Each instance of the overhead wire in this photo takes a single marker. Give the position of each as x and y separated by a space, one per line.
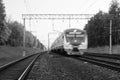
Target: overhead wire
83 4
91 5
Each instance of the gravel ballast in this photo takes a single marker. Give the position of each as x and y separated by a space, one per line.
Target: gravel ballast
55 67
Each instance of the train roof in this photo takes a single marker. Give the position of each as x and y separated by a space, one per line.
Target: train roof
72 29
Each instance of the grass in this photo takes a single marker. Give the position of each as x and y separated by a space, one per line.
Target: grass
8 54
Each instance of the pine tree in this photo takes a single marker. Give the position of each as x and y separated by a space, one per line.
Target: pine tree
114 11
4 30
99 25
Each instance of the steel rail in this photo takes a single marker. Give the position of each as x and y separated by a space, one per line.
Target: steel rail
27 70
14 69
14 62
107 64
105 55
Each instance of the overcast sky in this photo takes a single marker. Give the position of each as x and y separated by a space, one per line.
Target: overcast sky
41 28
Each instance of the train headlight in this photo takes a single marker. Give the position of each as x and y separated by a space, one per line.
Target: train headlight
68 46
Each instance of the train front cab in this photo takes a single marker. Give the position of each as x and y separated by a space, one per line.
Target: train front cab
83 47
75 49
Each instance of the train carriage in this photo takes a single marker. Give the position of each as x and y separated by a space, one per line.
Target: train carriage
72 41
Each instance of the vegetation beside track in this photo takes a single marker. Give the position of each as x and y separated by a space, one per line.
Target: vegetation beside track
8 54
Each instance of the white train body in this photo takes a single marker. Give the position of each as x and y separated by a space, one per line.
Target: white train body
73 41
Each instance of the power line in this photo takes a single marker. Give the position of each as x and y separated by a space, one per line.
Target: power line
95 1
83 4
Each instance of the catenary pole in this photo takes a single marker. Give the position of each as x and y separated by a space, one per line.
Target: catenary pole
48 42
110 50
24 52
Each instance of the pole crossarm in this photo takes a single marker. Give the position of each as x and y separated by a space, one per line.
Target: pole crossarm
57 16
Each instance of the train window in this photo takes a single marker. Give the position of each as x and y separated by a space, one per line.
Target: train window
78 38
69 35
75 32
80 35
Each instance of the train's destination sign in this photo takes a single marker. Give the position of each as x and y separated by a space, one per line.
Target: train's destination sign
72 35
75 32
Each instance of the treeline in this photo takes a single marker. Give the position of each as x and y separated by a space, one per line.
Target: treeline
98 27
13 36
11 32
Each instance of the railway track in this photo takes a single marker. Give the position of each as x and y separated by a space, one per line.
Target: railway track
105 55
19 69
107 61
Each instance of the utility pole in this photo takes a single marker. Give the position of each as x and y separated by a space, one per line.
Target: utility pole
24 52
69 22
48 42
53 24
110 49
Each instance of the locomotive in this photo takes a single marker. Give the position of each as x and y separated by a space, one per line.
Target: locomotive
71 41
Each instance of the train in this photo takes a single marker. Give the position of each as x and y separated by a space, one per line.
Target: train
71 41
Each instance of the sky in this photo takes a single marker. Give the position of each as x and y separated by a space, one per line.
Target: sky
41 28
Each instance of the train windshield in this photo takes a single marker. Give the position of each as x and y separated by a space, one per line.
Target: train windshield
75 37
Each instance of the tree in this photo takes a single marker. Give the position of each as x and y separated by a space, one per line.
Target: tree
114 11
96 30
114 8
4 30
29 39
99 25
16 36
